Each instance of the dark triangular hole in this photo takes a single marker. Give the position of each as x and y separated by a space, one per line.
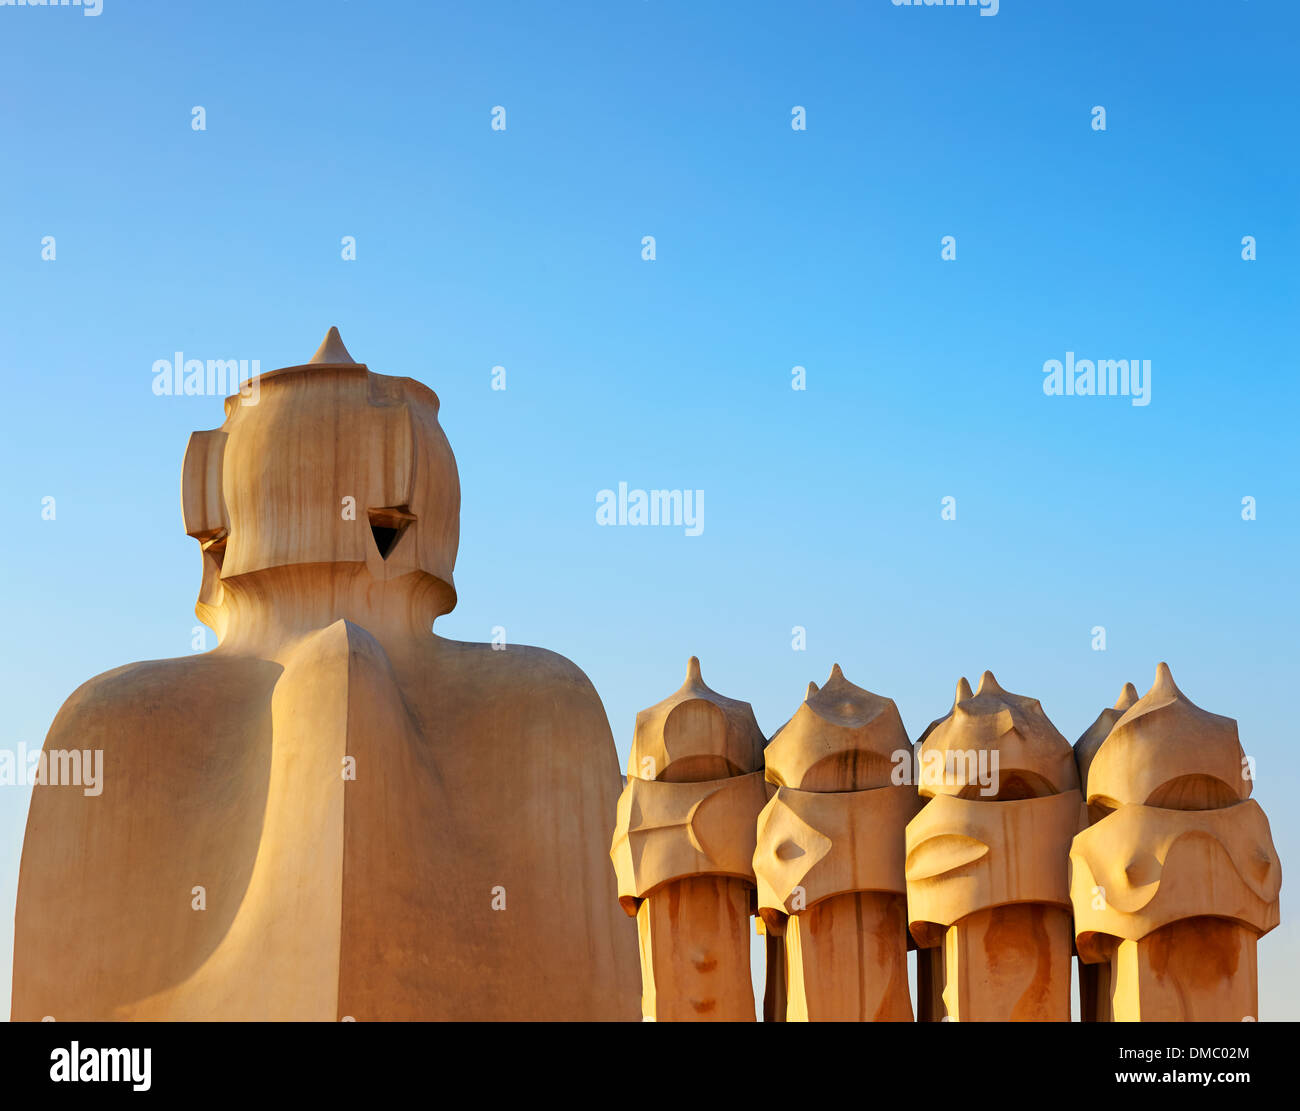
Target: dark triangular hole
385 538
387 526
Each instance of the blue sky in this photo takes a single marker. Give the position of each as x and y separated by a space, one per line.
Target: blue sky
820 248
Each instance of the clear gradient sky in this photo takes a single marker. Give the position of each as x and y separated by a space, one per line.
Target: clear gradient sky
522 248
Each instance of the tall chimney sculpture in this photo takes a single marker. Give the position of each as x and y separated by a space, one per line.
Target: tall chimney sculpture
829 858
986 857
774 981
930 963
683 851
335 813
1094 979
1175 885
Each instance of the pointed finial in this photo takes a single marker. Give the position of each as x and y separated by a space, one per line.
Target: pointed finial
1165 679
988 683
693 670
812 689
1127 697
836 673
963 690
331 350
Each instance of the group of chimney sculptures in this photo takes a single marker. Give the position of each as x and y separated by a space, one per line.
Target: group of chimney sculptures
339 814
1138 850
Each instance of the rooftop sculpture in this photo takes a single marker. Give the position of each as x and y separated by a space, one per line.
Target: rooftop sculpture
335 813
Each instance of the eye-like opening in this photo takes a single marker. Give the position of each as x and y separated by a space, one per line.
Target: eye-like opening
387 525
213 547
